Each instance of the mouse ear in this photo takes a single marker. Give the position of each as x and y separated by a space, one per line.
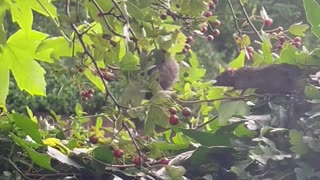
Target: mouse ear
231 71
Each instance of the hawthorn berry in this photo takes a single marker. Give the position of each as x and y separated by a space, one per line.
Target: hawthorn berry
136 161
211 5
164 161
189 39
216 32
210 38
118 153
207 14
216 23
187 46
163 16
186 112
173 119
268 22
93 139
297 39
172 110
204 29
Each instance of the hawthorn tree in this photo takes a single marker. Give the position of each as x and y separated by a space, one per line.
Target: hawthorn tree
162 120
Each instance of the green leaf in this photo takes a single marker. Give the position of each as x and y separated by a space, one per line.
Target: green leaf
43 160
21 13
4 79
208 139
267 54
95 79
44 7
242 131
134 11
203 155
103 154
175 171
296 139
28 74
312 9
288 55
312 92
239 61
228 109
130 62
28 126
298 29
156 115
165 146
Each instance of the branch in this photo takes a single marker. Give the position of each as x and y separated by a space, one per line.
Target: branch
235 19
205 123
87 52
248 19
218 99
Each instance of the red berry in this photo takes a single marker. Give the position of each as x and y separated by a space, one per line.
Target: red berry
164 161
282 39
169 12
93 139
210 38
118 153
208 14
279 46
297 39
211 5
187 46
163 16
186 111
91 91
216 23
297 44
268 22
173 119
136 161
215 32
189 39
204 29
173 110
185 50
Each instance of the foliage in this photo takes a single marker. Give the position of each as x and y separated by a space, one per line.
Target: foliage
117 48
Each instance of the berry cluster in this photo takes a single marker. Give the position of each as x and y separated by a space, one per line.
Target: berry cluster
173 118
209 35
86 95
283 39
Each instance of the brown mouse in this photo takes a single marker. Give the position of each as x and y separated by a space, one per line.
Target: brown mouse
275 78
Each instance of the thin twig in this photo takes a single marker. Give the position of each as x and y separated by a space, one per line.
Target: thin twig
248 20
235 19
15 167
86 51
133 139
218 99
205 123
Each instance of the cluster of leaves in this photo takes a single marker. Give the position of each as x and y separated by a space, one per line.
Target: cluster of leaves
123 41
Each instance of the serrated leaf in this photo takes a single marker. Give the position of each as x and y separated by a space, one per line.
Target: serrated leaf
298 29
130 62
28 74
312 92
228 109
